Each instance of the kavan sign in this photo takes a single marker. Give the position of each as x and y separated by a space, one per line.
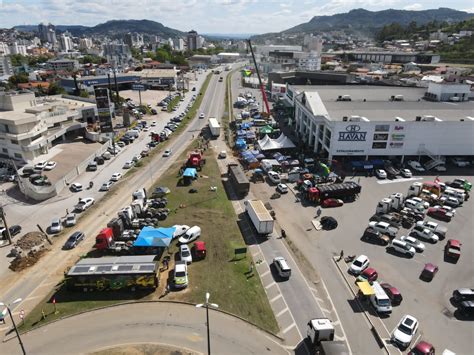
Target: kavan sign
352 134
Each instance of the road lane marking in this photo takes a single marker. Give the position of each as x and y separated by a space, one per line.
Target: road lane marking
383 182
277 297
288 328
264 273
281 312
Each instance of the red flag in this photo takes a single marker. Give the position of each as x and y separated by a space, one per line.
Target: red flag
437 180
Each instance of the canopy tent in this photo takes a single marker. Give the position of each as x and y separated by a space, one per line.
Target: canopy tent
365 288
266 130
282 142
154 237
240 144
190 172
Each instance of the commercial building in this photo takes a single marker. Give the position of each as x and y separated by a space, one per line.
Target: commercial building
200 61
63 65
6 69
379 121
228 57
29 126
391 57
158 78
117 54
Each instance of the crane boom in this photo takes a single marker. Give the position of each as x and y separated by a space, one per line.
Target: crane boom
262 89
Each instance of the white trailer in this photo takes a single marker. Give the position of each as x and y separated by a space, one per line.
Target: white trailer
260 217
214 127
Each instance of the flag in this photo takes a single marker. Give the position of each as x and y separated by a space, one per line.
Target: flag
437 180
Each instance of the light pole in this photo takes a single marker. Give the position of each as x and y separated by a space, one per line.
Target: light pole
206 305
7 307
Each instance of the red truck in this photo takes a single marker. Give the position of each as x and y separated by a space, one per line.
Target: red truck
453 249
105 241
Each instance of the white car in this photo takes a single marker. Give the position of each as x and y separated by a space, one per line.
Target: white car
167 153
274 177
410 203
55 226
50 165
120 144
282 188
406 173
421 202
381 174
415 243
106 186
180 274
84 203
201 115
359 264
116 177
424 233
440 168
222 154
415 165
181 229
76 187
128 164
41 165
153 124
70 220
185 254
405 331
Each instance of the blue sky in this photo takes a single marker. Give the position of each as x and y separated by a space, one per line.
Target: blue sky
206 16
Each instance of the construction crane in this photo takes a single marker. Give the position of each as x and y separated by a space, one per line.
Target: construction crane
262 89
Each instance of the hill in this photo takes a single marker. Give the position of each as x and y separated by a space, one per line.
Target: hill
364 21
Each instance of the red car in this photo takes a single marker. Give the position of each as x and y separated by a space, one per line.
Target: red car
453 249
392 293
369 274
440 213
428 272
332 202
422 348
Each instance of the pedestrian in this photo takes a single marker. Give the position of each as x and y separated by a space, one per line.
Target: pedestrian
251 268
67 211
165 264
283 233
318 212
341 255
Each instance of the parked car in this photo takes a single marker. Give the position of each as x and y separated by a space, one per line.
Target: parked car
282 188
466 308
434 227
424 233
393 293
14 230
128 164
55 226
359 265
70 220
384 227
369 274
440 213
332 202
449 201
402 247
199 250
429 272
50 165
381 174
106 186
116 177
460 162
415 166
40 165
167 153
185 253
406 173
191 234
375 236
415 243
74 240
405 331
180 274
452 250
92 166
75 187
422 348
201 115
84 204
282 267
274 177
463 294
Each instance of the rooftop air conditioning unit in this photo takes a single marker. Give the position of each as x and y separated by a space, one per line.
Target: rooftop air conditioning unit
346 97
428 118
355 119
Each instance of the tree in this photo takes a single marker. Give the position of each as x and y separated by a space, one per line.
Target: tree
84 93
18 78
162 55
136 53
55 89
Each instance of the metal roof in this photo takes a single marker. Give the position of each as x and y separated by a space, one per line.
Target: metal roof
114 265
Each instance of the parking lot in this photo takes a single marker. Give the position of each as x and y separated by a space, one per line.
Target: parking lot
429 302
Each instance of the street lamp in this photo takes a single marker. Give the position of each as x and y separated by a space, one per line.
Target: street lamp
7 308
206 305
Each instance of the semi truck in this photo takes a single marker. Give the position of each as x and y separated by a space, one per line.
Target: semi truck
344 191
214 127
260 217
238 179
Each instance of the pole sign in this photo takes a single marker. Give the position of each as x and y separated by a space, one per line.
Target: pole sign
138 87
239 251
103 109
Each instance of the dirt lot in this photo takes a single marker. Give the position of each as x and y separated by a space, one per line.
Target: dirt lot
151 97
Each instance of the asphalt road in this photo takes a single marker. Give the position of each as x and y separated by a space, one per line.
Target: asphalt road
181 325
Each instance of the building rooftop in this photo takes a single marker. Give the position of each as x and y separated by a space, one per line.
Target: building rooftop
322 100
156 73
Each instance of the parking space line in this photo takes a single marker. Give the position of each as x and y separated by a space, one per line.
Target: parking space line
270 285
288 328
264 273
277 297
326 311
281 312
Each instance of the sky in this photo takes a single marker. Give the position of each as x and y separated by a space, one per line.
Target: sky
204 16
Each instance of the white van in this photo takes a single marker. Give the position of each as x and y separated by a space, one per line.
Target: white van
191 234
380 300
133 133
450 192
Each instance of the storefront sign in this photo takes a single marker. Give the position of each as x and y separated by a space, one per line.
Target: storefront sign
350 151
352 134
380 137
382 128
399 128
103 109
398 137
396 144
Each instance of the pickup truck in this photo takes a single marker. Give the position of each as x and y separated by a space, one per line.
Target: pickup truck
375 236
434 227
388 218
424 233
453 249
384 228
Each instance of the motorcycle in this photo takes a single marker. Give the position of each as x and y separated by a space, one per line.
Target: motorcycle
349 258
91 184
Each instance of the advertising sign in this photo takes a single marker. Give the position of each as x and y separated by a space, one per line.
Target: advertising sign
103 109
380 136
396 145
352 134
382 128
398 137
138 87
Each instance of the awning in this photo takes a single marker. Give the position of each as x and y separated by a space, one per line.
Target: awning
190 172
365 288
154 237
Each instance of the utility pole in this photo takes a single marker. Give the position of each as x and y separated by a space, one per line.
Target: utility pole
7 230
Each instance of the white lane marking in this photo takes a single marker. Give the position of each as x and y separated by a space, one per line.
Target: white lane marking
270 285
386 181
277 297
264 273
281 312
325 311
289 327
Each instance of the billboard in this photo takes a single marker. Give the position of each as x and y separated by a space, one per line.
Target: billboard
103 109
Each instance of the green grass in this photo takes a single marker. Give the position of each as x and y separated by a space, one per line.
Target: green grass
227 116
173 103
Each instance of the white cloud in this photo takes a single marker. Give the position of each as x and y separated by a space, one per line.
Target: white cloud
413 7
471 10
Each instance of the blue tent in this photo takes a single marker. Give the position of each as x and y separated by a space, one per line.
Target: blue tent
190 172
154 237
240 144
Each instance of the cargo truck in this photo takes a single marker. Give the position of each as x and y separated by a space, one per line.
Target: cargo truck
344 191
320 333
214 127
238 179
260 217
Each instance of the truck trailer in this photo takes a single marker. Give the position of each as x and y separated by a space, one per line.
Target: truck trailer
238 179
214 127
344 191
260 217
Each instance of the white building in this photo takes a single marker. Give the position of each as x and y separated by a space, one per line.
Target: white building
65 43
178 44
377 121
85 43
63 64
200 42
264 50
29 126
313 43
16 48
4 49
308 61
6 69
